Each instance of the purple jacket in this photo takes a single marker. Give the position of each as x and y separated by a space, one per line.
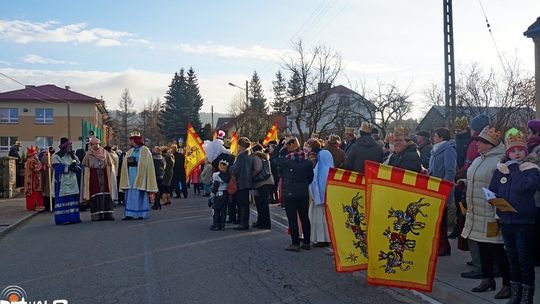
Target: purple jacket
517 185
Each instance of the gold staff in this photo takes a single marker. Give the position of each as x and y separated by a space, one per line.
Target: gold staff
51 189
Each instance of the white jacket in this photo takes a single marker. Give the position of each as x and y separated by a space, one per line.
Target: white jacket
479 211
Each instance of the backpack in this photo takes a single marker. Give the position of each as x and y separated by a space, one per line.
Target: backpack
265 172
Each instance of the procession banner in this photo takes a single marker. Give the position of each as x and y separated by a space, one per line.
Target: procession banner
194 151
346 219
271 135
405 211
234 144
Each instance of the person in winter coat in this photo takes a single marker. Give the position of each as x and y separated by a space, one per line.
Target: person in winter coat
263 183
350 139
322 160
296 172
159 169
424 147
533 147
179 173
168 174
206 178
365 148
442 164
195 180
405 154
480 221
463 138
220 197
338 155
242 172
478 123
516 180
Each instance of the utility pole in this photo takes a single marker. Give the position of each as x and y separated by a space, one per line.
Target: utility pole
449 67
212 117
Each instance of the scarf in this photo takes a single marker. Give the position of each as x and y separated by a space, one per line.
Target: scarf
99 154
437 146
296 155
533 142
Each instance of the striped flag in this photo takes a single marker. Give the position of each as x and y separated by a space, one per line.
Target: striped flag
194 150
234 144
271 135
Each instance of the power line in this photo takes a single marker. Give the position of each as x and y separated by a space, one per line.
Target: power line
33 89
492 36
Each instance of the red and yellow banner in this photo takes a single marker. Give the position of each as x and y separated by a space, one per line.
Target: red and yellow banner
346 219
271 135
404 211
234 144
194 150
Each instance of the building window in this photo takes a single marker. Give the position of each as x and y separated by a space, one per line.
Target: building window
44 142
9 115
6 142
44 116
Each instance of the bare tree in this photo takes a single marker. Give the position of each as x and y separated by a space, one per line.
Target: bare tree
248 121
124 120
148 123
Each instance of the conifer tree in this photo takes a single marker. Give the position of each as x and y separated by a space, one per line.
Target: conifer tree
256 95
175 110
280 104
194 99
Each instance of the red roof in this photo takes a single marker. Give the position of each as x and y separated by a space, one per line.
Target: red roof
48 92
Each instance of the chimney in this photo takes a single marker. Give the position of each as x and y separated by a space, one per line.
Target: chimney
68 88
324 86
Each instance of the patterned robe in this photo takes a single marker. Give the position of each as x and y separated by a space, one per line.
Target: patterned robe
33 184
66 205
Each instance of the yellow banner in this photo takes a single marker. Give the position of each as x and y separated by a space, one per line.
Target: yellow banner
271 135
194 151
234 144
346 219
404 214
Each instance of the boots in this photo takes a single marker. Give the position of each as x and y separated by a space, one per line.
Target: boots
515 293
527 295
485 285
504 293
166 198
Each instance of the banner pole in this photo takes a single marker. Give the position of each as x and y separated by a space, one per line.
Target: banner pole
51 189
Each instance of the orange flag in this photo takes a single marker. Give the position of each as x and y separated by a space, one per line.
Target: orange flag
214 135
271 135
234 144
194 150
404 212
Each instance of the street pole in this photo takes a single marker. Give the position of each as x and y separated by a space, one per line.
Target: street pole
449 74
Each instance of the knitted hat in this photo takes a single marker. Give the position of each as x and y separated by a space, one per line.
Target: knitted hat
220 134
480 122
534 125
513 139
491 135
244 142
402 133
424 134
461 123
366 127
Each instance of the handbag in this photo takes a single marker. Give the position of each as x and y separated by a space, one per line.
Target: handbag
232 187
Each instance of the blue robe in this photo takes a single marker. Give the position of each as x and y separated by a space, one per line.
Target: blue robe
137 203
66 203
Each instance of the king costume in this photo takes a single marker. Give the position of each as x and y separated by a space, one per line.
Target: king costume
33 185
66 165
138 179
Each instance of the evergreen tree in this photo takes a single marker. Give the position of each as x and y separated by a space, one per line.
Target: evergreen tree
256 95
280 104
194 99
294 86
176 109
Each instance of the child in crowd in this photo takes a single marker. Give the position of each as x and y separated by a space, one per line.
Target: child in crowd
195 180
219 197
516 180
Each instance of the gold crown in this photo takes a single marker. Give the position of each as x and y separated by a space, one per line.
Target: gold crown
389 138
401 133
366 127
513 140
491 135
461 123
135 133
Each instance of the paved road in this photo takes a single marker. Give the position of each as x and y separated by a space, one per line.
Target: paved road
174 258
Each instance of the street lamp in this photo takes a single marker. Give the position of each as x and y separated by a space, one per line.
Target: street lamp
246 90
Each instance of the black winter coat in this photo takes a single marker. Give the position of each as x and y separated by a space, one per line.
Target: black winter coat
179 166
296 176
365 148
407 159
425 153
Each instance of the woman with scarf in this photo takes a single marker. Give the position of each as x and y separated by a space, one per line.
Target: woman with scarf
66 165
33 183
138 179
323 161
98 182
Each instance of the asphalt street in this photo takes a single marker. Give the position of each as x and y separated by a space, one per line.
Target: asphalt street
173 257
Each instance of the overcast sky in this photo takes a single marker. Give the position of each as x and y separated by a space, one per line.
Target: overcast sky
101 47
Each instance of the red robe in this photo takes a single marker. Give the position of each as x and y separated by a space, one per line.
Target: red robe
33 186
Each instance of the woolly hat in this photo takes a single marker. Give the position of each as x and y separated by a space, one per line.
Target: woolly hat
424 134
534 125
513 138
491 135
220 134
479 122
366 127
461 123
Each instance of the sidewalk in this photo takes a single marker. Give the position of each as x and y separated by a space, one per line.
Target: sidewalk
13 213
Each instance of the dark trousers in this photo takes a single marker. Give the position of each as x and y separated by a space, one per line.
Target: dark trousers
298 206
444 244
261 202
176 188
519 246
242 201
537 238
232 211
490 252
197 188
219 215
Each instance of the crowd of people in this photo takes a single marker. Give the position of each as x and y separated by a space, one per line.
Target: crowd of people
477 158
